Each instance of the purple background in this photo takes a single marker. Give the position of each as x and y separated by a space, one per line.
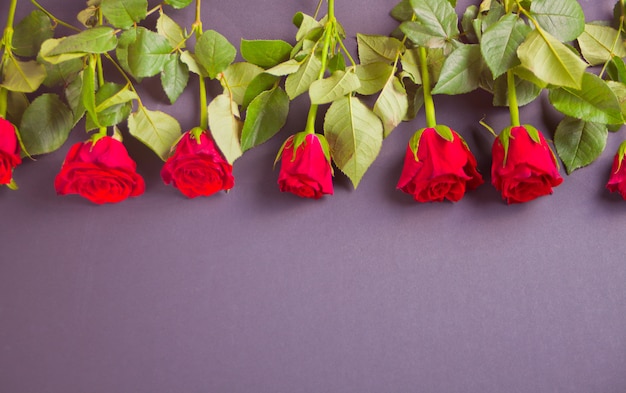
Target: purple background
364 291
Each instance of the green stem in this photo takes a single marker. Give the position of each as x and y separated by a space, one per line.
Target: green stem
512 94
329 31
11 17
204 109
7 40
54 18
429 104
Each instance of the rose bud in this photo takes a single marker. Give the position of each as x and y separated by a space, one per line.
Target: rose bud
197 167
305 168
438 167
523 167
9 152
100 171
617 179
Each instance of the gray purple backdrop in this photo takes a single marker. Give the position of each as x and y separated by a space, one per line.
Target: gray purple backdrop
364 291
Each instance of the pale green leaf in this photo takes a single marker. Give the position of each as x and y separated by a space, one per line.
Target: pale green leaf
30 33
410 65
22 76
461 71
237 78
600 44
500 42
265 53
97 40
16 106
437 17
392 105
337 85
564 19
174 78
148 53
258 85
305 24
225 126
157 130
373 77
619 89
265 116
375 48
178 4
192 63
355 136
45 125
558 66
579 143
48 45
168 28
124 13
300 81
126 39
421 36
112 94
289 67
594 102
88 17
214 52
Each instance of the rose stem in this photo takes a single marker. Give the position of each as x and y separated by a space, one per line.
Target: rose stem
204 111
512 93
328 32
103 130
7 40
429 104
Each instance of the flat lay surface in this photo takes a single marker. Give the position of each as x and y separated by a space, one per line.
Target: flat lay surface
366 290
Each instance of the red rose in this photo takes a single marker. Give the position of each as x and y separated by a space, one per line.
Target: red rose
9 151
436 168
101 172
305 166
617 180
197 167
527 168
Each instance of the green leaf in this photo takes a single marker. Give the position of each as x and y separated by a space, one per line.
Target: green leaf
22 76
500 42
16 106
192 63
392 105
63 73
214 52
355 136
564 19
48 45
415 97
300 81
171 30
467 23
337 63
329 89
124 13
265 53
375 48
265 116
88 17
258 85
174 78
30 33
88 93
157 130
619 89
600 44
97 40
305 24
178 4
73 93
594 102
551 61
287 68
461 71
112 105
148 53
126 39
373 77
579 143
226 126
437 17
402 11
421 36
410 65
526 91
45 125
237 77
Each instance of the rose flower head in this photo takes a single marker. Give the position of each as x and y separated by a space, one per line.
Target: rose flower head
617 179
9 152
100 171
438 165
305 168
197 167
523 167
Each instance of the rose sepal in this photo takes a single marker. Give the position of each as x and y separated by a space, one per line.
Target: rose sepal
443 131
299 138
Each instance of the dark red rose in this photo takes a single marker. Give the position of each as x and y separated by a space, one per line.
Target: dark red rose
443 169
9 151
305 166
197 168
101 172
527 169
617 179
